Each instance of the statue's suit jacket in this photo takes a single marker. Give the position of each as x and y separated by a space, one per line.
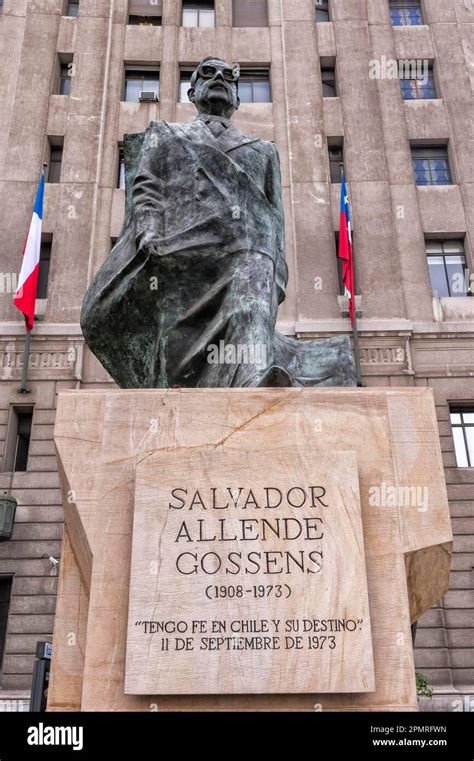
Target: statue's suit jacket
202 202
193 190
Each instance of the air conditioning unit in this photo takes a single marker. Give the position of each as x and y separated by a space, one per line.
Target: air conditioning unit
148 96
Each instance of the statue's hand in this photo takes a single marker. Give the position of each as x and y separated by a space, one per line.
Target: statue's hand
149 246
153 248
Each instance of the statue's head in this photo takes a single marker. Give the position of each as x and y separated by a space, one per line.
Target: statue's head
214 87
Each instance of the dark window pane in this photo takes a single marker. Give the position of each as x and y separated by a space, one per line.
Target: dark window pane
132 89
248 13
455 268
121 170
73 8
65 79
64 86
254 87
184 85
452 246
261 92
329 90
43 275
414 89
5 595
151 83
322 10
206 18
55 161
190 17
439 283
462 422
197 13
431 166
136 81
336 156
405 12
245 92
23 440
447 267
460 448
144 20
145 10
328 76
469 434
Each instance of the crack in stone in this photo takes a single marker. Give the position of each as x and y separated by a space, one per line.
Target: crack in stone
207 447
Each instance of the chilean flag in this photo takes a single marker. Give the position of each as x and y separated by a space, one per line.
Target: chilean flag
345 249
25 296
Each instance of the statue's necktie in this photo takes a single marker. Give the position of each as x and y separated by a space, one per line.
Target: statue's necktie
216 128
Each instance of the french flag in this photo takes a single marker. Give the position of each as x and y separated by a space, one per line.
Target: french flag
25 296
345 249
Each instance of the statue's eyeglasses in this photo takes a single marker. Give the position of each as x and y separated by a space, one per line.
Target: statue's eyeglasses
208 71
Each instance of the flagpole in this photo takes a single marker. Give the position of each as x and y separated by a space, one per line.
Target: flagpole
355 332
26 358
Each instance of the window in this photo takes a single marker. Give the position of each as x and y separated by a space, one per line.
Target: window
184 84
43 275
198 13
328 76
249 13
336 158
431 165
55 162
1 7
17 442
145 13
462 423
416 88
65 79
447 267
405 12
139 81
5 596
23 440
121 169
73 8
322 10
254 86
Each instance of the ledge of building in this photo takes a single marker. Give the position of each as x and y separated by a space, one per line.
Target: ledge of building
17 701
303 329
449 700
308 328
41 329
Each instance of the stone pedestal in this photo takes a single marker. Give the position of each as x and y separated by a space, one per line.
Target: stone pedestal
247 549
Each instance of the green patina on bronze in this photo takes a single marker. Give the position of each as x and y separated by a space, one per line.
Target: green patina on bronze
190 292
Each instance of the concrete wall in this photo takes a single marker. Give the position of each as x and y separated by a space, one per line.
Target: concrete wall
407 337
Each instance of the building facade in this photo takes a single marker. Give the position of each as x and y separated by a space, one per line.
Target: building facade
387 88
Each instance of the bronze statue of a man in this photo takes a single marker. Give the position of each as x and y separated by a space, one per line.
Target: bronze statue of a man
190 292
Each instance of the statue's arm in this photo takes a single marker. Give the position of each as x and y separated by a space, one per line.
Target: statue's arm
147 196
275 198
